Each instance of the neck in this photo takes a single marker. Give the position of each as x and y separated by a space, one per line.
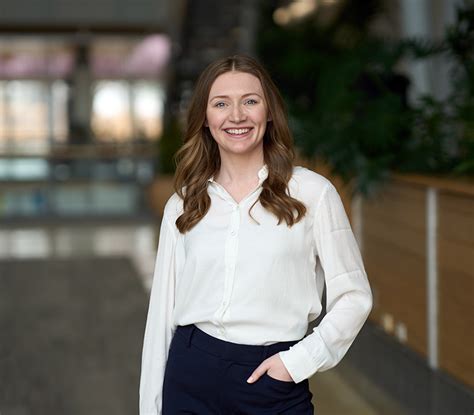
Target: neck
239 169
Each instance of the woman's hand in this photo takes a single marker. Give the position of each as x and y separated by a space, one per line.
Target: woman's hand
274 367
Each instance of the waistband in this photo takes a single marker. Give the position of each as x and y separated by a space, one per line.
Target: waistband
244 353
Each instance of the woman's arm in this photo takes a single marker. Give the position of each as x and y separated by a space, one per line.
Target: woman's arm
159 325
349 297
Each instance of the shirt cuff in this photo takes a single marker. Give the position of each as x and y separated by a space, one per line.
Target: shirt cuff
299 363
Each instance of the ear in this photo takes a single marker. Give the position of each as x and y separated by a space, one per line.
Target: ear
206 124
269 118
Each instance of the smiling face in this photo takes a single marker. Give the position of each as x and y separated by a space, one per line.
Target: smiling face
237 114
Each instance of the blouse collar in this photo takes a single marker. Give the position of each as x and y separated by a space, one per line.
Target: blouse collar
262 175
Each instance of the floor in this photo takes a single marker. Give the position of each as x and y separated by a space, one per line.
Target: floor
333 395
71 331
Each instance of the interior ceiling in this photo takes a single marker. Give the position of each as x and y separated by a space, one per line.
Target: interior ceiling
103 16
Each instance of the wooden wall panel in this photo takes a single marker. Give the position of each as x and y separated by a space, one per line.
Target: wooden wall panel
456 285
399 203
394 250
394 255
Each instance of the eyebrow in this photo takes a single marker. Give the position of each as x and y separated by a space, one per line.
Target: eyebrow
243 96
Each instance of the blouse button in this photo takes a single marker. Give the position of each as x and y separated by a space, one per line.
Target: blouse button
233 233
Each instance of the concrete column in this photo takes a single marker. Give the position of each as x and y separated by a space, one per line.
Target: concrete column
81 97
415 24
429 19
248 26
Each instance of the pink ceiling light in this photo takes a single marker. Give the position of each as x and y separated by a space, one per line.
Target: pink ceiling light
146 58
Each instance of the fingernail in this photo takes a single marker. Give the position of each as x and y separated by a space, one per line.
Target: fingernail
250 379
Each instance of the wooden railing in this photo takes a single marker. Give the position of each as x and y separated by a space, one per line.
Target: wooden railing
417 239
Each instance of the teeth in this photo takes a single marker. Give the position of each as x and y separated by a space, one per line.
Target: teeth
239 131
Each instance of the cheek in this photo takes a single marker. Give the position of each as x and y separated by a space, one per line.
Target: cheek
213 120
213 124
265 116
260 116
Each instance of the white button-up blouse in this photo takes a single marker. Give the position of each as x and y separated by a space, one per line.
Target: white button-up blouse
258 284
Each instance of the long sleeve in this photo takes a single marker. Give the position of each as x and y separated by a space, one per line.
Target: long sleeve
349 297
159 325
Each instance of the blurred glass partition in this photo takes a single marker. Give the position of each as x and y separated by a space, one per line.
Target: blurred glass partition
79 122
124 109
33 115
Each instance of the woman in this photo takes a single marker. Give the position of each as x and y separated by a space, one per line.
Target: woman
246 245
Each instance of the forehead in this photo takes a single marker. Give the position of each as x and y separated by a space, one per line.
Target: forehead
235 83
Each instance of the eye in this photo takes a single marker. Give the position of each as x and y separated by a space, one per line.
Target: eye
219 104
251 101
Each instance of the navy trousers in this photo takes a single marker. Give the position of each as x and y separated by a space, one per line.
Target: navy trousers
206 376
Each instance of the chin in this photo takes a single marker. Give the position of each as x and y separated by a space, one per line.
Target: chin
246 150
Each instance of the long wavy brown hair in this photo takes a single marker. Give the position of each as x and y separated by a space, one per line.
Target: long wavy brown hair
198 159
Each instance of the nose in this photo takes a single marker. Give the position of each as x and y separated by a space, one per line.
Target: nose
237 114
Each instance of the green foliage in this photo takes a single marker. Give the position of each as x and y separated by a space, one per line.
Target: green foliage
348 105
168 145
460 39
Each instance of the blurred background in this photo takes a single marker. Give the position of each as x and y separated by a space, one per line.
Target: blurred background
93 95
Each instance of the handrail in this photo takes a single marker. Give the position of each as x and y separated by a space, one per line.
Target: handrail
463 185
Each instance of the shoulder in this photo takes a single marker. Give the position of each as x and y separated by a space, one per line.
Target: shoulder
308 183
309 187
173 208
